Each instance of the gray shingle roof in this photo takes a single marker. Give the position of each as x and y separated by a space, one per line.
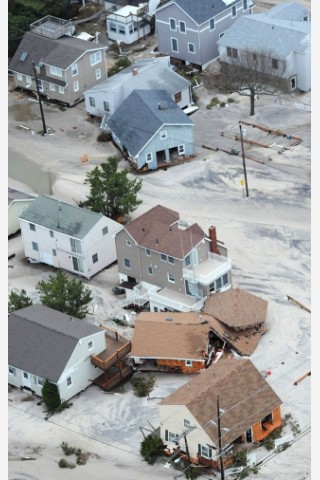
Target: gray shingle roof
61 53
18 195
41 340
288 11
202 10
260 32
139 117
60 216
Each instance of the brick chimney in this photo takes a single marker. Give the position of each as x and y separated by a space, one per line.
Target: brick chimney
213 238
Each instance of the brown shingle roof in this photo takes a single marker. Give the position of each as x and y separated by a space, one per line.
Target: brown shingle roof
158 230
236 308
244 395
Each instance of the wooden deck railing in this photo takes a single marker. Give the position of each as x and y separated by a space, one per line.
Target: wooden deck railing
113 359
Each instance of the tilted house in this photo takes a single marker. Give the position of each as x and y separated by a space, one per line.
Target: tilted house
249 411
188 30
103 99
17 201
68 237
231 322
45 344
169 264
64 66
151 130
280 36
129 24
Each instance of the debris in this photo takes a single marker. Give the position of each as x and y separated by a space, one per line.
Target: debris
298 303
302 378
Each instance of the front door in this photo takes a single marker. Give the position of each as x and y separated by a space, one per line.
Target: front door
26 380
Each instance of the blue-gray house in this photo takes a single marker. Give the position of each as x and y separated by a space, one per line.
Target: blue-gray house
151 130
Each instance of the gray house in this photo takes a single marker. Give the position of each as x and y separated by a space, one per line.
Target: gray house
63 65
282 35
45 344
103 99
188 30
169 264
151 130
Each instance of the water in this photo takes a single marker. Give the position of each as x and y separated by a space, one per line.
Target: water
30 174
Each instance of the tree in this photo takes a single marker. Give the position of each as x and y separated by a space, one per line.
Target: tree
142 386
18 300
151 448
67 296
111 191
251 74
51 397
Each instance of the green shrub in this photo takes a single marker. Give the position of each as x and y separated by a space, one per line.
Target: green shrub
151 448
64 464
142 386
51 397
213 102
231 100
240 458
222 104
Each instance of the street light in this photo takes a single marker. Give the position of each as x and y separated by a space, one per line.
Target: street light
244 161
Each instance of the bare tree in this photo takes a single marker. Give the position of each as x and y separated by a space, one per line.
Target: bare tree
252 73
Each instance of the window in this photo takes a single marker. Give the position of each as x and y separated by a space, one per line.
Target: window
275 63
74 69
54 252
174 44
148 252
170 436
92 101
186 423
149 157
55 71
61 90
106 106
52 87
163 135
171 260
69 382
163 257
187 260
12 371
112 26
245 4
35 246
188 363
95 58
182 27
90 345
205 451
178 97
98 73
232 52
128 243
150 271
126 263
181 149
191 47
77 264
225 279
75 245
218 283
75 86
172 24
212 24
51 234
234 11
94 258
105 230
32 227
121 30
40 381
171 278
221 35
19 77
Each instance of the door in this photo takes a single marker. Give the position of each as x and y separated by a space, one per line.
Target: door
26 380
47 258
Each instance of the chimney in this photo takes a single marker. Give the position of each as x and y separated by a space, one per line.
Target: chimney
213 238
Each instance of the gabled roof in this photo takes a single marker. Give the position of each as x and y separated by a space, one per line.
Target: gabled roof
251 31
201 10
244 395
158 229
170 336
18 195
150 74
61 217
288 11
142 114
237 308
41 340
61 52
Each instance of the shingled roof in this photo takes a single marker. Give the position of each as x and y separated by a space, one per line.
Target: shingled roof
203 10
158 229
237 308
244 395
41 340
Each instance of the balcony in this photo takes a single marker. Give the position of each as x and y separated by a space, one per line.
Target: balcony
209 270
52 27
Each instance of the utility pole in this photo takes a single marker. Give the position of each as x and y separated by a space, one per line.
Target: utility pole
244 161
188 454
39 99
220 439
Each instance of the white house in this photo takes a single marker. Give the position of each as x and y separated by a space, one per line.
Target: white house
45 344
17 201
129 24
68 237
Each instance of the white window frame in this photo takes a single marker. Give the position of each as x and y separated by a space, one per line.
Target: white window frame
77 264
171 278
190 47
52 87
76 86
12 370
150 271
106 106
98 73
127 263
212 24
181 149
173 24
55 71
19 77
172 436
163 257
74 69
149 157
188 363
35 246
173 39
28 79
245 5
92 101
95 58
206 452
184 28
75 245
61 90
171 260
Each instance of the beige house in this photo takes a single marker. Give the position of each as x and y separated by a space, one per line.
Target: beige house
17 201
68 237
63 65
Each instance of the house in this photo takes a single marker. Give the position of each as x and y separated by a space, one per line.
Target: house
68 237
288 49
188 31
168 264
231 322
129 24
45 344
230 401
103 99
151 130
62 65
17 201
